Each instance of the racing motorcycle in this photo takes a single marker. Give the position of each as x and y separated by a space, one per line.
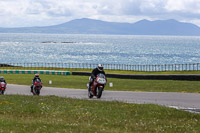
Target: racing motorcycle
97 86
2 88
37 87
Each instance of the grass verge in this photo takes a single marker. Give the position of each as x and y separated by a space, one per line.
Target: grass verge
107 71
55 114
79 82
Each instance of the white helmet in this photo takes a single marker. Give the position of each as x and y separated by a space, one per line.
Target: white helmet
1 77
100 67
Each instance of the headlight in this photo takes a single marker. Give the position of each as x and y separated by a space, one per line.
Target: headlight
101 81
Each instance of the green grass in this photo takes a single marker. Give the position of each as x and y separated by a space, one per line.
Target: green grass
107 71
79 82
158 73
50 114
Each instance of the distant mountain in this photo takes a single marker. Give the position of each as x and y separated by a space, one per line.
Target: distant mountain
90 26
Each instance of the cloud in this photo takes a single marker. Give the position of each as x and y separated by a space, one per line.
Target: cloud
49 12
189 6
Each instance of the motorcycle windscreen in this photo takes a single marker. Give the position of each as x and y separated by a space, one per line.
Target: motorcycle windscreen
2 84
101 81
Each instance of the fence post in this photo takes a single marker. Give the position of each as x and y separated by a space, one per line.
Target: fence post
193 67
175 67
161 67
189 67
165 67
186 67
179 67
182 67
146 68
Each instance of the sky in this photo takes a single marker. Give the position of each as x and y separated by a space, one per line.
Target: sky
28 13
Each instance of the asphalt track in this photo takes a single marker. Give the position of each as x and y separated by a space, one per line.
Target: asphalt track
185 101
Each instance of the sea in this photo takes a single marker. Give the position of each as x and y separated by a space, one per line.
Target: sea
105 49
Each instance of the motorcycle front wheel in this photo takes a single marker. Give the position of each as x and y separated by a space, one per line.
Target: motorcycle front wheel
99 92
89 94
37 92
1 92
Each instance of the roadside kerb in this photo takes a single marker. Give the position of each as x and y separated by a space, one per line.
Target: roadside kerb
34 72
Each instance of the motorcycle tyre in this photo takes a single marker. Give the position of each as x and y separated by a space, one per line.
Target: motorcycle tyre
37 92
2 92
89 94
99 92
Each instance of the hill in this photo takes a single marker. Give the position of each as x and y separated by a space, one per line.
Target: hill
90 26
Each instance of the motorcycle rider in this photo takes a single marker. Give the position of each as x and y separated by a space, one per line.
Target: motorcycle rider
3 80
34 79
95 72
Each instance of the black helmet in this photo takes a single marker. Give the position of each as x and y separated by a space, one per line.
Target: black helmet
100 67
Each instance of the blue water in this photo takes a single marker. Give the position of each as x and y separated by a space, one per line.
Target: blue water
106 49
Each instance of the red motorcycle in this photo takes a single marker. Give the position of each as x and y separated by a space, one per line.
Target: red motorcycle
37 87
2 88
97 86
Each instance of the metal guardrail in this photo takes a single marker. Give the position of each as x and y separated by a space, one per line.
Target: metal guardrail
189 77
147 68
